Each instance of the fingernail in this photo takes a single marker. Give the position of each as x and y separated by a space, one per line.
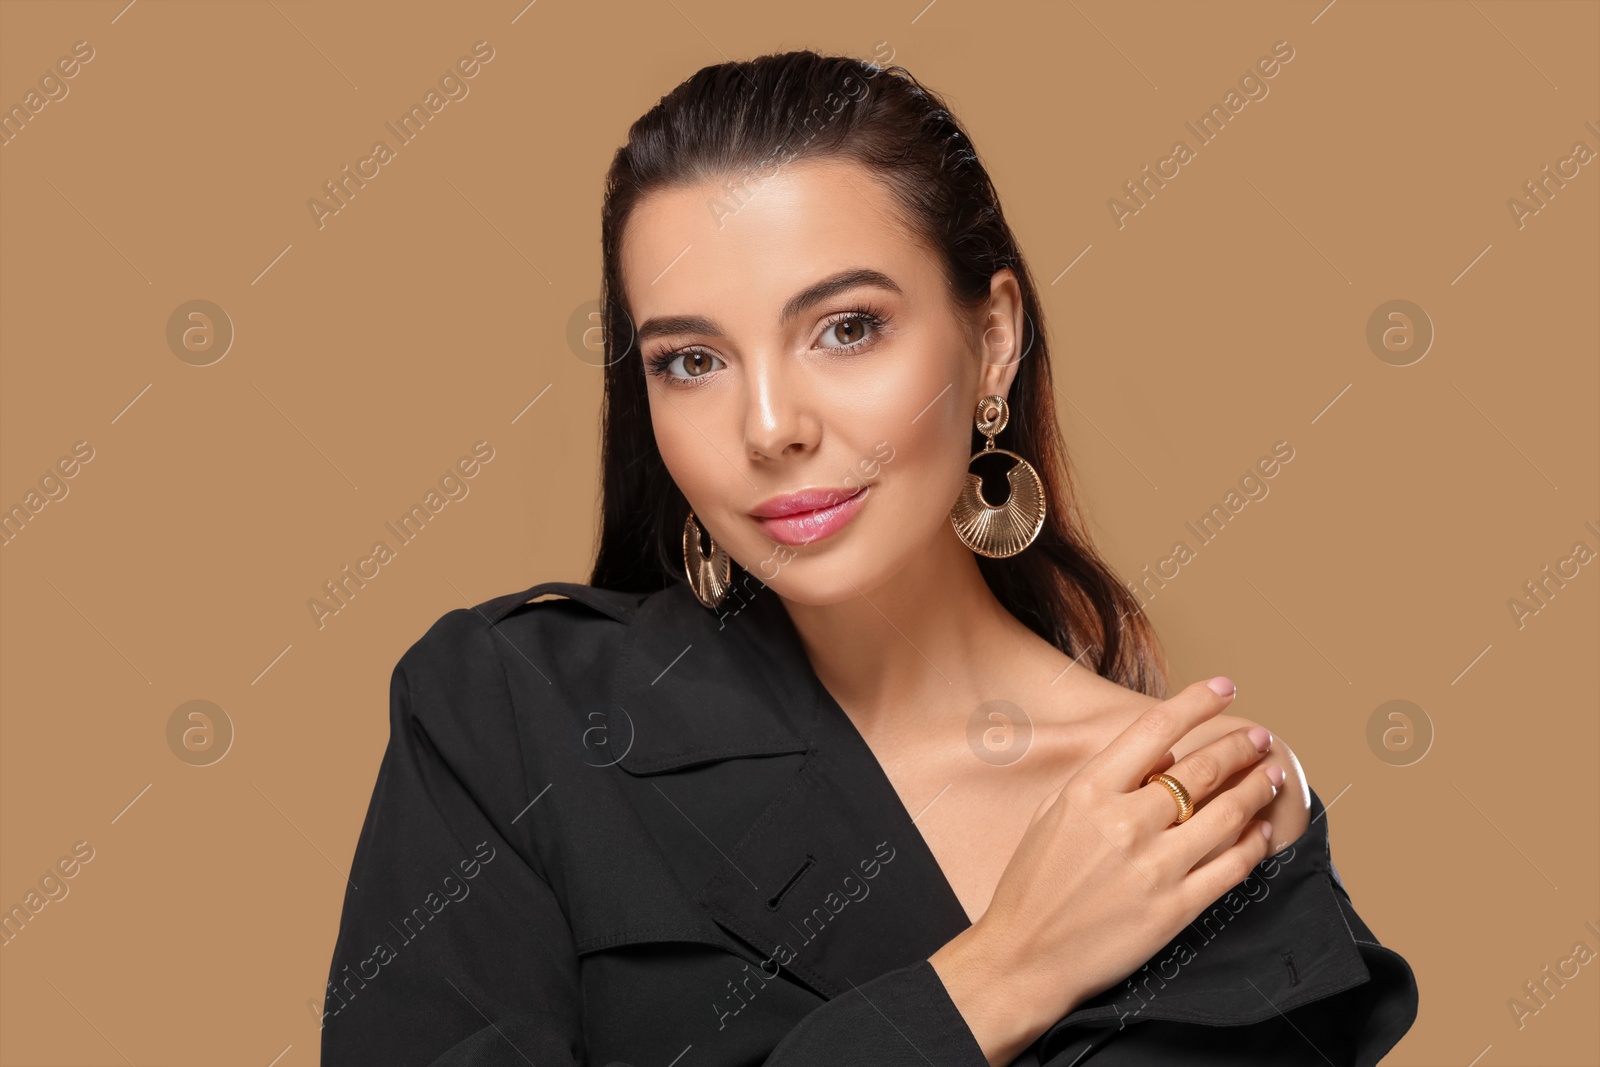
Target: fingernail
1222 685
1266 830
1276 774
1261 737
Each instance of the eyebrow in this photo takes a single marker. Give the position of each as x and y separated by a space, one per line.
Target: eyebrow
671 325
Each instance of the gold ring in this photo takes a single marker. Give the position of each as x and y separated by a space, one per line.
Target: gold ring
1179 793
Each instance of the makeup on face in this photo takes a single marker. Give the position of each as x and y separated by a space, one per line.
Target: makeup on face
809 515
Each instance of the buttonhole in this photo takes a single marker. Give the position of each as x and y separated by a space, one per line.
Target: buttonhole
772 904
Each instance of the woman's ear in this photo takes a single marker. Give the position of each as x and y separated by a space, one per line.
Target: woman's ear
1002 337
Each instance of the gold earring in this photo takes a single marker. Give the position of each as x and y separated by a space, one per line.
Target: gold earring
1001 531
709 575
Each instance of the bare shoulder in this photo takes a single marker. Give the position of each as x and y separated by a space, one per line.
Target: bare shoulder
1289 812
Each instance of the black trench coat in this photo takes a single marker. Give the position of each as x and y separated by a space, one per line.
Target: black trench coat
618 829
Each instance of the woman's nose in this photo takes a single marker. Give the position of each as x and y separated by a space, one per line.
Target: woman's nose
778 409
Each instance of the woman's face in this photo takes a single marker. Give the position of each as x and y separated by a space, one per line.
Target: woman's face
797 338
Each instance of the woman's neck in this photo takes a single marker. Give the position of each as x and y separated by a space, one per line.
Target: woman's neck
930 641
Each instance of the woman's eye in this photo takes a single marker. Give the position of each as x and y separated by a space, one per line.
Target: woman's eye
848 332
696 364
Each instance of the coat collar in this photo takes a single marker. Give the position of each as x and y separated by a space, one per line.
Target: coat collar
701 685
702 688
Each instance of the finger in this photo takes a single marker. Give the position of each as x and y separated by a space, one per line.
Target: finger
1053 798
1221 820
1162 765
1123 764
1202 772
1205 884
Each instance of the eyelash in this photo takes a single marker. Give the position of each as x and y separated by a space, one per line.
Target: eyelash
874 317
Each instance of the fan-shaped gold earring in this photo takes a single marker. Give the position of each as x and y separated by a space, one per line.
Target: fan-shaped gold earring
709 576
1001 531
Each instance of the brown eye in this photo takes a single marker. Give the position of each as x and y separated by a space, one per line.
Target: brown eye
851 331
661 366
847 332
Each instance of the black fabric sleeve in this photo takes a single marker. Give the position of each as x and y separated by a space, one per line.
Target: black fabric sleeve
902 1018
449 938
453 950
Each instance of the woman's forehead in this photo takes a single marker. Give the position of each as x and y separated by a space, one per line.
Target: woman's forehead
763 240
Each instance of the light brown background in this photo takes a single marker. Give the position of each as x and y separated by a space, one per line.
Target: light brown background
429 314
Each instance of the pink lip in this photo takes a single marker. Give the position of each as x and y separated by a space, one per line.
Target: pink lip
805 517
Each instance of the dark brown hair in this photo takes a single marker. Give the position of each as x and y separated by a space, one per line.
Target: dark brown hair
731 120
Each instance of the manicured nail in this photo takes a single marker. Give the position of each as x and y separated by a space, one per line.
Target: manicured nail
1222 685
1266 830
1261 737
1276 774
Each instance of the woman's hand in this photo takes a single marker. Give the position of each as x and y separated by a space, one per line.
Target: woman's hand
1102 878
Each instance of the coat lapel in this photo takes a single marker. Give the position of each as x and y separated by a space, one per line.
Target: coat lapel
829 878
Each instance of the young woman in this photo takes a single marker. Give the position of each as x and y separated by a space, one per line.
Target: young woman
851 750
